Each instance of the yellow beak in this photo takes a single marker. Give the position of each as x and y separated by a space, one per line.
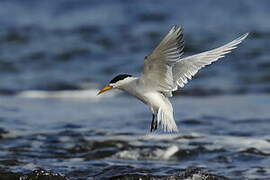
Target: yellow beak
104 89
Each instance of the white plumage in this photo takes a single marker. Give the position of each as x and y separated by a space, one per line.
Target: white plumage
164 70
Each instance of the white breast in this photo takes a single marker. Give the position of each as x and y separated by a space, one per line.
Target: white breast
151 98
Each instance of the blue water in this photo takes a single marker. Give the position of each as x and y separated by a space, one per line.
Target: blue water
54 55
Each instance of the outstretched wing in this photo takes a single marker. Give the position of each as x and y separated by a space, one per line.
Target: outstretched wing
157 72
189 66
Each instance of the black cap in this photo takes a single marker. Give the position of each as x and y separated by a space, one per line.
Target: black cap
119 77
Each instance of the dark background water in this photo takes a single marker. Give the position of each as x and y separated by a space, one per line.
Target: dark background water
54 55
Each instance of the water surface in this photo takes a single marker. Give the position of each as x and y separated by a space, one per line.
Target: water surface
54 55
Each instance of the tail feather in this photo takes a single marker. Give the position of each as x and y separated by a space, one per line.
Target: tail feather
166 121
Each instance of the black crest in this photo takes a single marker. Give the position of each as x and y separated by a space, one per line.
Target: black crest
119 77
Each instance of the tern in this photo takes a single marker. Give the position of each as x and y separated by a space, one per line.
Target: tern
164 71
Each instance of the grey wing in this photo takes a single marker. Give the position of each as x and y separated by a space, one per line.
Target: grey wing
157 72
189 66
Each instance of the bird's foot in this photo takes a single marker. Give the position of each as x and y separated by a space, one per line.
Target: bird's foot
153 124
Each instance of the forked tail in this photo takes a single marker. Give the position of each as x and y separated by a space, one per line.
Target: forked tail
166 121
163 117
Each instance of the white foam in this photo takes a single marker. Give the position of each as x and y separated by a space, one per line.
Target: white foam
131 154
154 136
197 177
76 159
241 143
76 94
169 152
30 166
148 153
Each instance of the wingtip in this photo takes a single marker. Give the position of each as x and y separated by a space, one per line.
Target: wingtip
177 27
244 36
240 39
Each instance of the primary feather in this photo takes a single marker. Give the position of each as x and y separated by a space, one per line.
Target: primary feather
189 66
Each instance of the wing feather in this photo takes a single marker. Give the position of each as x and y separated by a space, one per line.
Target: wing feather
157 72
189 66
165 118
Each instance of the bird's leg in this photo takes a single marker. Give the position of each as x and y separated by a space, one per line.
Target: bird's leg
153 123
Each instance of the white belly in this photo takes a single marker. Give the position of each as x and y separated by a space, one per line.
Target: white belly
153 99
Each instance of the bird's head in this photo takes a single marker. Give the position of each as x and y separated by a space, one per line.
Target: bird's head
116 82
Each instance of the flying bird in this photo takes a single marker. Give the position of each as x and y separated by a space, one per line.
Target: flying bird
164 71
